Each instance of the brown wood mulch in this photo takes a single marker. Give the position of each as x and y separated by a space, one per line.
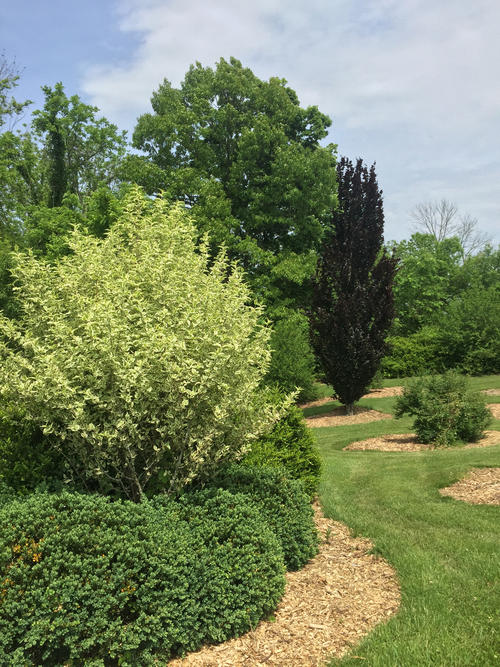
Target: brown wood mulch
481 486
494 408
385 392
491 392
328 607
407 442
338 417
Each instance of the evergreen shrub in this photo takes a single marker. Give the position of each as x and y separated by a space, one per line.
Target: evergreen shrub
446 410
84 580
289 445
283 505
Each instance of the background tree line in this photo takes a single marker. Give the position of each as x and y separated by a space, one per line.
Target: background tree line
248 164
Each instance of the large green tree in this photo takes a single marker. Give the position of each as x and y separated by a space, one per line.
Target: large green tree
81 151
245 157
352 308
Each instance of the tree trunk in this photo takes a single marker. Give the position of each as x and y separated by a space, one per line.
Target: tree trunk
349 408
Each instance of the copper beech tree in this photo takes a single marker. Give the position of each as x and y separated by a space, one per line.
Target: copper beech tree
352 305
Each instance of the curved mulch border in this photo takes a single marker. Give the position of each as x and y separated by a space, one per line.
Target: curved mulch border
385 392
328 606
491 392
407 442
338 417
481 486
494 408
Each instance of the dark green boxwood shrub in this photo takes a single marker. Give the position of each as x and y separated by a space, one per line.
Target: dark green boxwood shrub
283 505
289 445
446 410
84 580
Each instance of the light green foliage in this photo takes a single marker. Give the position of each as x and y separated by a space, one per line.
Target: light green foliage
93 582
226 136
425 280
292 362
462 318
289 445
142 362
446 411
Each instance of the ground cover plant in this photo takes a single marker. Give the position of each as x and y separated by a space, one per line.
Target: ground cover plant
446 553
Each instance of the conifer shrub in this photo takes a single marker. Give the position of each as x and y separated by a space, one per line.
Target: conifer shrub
85 580
446 410
283 505
289 445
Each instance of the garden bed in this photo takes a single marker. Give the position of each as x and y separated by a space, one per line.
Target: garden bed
328 607
338 417
407 442
480 486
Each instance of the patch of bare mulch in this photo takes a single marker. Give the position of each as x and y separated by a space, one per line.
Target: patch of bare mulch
494 408
407 442
338 417
328 607
480 486
385 392
491 392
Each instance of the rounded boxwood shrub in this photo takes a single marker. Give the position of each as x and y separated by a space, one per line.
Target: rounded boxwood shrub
282 503
289 445
446 410
94 582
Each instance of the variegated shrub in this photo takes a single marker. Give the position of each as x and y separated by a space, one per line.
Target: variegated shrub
141 356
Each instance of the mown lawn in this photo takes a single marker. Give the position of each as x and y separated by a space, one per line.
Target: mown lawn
446 552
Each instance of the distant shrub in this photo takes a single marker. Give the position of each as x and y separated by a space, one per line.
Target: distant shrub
94 582
415 354
446 410
289 445
283 505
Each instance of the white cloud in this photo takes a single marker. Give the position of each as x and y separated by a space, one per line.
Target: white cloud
413 84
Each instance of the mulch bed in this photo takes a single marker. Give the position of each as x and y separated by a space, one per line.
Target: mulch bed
491 392
385 392
494 409
338 417
480 486
407 442
328 607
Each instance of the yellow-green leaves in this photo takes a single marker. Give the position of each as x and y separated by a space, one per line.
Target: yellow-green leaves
137 353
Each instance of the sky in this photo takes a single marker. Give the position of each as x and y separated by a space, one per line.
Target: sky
413 85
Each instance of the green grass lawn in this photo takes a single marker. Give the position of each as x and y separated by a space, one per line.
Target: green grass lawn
446 553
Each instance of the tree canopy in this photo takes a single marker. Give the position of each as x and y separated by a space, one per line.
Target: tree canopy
246 158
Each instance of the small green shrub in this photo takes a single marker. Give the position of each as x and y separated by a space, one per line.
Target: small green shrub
283 505
446 410
292 361
289 445
94 582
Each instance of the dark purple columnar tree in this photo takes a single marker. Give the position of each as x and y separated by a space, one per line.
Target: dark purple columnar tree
352 306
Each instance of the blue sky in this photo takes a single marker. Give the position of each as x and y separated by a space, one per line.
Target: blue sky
413 85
